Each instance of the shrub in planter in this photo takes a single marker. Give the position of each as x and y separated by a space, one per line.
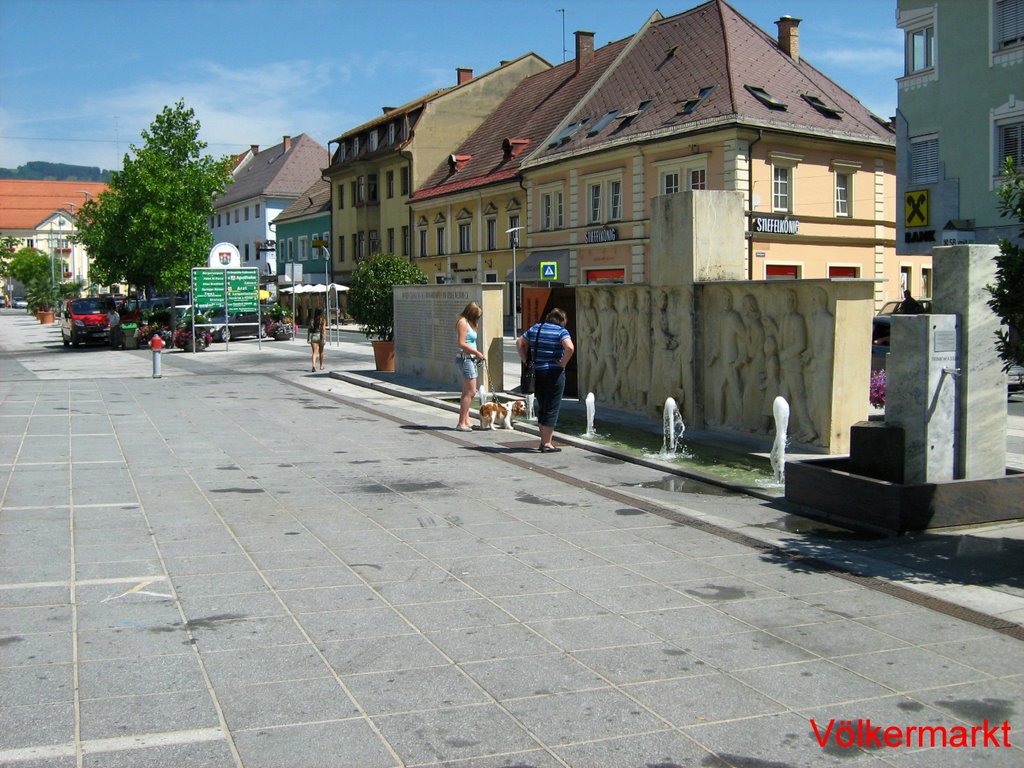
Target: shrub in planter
370 301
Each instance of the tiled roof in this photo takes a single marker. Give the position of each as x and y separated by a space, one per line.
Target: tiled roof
24 204
672 59
524 118
316 199
277 171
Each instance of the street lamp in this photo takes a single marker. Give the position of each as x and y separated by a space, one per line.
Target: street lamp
515 303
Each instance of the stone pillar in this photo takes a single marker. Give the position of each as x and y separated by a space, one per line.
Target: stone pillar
920 394
961 274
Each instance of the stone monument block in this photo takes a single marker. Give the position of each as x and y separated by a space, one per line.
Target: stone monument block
920 398
961 274
425 341
697 236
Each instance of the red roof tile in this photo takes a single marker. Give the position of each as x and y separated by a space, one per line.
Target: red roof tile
24 204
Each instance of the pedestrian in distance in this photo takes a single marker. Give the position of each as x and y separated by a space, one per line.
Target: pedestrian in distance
316 335
552 348
467 359
909 305
114 323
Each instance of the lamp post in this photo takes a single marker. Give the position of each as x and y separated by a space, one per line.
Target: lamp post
514 232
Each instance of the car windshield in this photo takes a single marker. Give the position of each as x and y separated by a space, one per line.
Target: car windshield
89 306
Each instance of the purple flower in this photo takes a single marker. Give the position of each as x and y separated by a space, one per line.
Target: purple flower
876 392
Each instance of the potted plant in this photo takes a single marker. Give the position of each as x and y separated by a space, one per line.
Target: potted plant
370 301
279 323
186 339
43 299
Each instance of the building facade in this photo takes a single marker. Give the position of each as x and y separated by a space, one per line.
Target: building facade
960 114
265 184
376 167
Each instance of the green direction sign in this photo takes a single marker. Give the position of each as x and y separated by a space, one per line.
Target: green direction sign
208 287
243 288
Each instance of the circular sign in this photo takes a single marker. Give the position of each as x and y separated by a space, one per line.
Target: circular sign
224 255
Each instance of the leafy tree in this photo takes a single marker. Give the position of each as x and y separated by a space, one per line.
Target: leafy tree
1008 292
29 265
150 228
370 299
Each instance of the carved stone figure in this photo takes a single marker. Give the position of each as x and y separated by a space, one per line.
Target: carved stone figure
819 361
756 400
667 365
792 346
725 359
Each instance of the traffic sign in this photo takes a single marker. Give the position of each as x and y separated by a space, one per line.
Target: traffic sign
549 270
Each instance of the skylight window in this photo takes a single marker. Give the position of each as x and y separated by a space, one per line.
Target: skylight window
568 132
822 107
600 124
691 104
765 98
628 117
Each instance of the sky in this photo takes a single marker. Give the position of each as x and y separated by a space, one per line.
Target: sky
81 79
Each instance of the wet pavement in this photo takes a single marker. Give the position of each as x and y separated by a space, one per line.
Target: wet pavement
247 564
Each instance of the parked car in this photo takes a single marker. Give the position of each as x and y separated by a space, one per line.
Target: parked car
893 307
237 325
1015 378
19 302
84 321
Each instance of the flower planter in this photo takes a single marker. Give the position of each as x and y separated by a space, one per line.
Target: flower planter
384 355
45 316
283 336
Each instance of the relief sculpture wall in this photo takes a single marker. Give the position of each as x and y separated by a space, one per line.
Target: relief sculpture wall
725 350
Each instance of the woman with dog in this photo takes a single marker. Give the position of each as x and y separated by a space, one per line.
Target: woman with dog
552 348
467 360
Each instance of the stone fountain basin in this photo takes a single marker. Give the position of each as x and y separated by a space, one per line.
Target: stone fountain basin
829 491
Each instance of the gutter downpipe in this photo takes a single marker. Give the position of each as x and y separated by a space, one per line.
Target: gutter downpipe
750 202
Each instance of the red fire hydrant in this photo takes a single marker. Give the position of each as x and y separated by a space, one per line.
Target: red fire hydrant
156 343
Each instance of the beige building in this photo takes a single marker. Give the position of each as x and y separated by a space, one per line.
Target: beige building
375 167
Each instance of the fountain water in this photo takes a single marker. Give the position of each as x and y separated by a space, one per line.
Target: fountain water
529 407
780 410
590 415
673 428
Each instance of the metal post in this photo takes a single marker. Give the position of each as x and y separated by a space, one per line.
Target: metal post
156 364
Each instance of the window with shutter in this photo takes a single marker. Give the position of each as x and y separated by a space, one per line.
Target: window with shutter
924 161
1011 144
1009 23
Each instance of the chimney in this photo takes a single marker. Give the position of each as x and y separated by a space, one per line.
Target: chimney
584 49
255 148
789 36
287 144
464 75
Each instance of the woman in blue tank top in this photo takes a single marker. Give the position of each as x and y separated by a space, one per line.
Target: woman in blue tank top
467 360
552 348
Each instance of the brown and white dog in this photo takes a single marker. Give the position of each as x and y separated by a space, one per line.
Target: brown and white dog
518 409
491 413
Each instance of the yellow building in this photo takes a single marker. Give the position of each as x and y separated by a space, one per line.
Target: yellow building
376 166
704 100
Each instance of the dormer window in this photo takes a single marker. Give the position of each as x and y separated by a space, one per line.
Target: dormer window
355 146
372 142
765 98
513 147
818 104
457 162
691 104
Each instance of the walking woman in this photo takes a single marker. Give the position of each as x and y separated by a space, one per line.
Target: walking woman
552 348
317 336
467 360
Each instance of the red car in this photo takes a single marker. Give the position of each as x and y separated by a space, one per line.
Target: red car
84 321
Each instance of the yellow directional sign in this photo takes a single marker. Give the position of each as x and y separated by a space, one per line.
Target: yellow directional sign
915 208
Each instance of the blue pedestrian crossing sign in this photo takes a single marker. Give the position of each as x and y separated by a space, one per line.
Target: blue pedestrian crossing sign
549 270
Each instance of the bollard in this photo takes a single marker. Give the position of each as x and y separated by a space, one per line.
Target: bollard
156 343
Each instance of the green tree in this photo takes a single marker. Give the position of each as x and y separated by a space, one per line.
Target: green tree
1008 291
150 228
29 265
370 297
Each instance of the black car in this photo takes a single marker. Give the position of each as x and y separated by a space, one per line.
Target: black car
237 325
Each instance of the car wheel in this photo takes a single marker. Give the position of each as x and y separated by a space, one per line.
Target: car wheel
225 334
74 340
64 339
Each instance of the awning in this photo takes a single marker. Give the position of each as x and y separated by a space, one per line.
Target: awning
528 270
336 287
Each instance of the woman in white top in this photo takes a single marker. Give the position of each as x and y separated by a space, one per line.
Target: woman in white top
467 360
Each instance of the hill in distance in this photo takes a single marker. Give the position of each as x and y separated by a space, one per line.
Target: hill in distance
37 170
